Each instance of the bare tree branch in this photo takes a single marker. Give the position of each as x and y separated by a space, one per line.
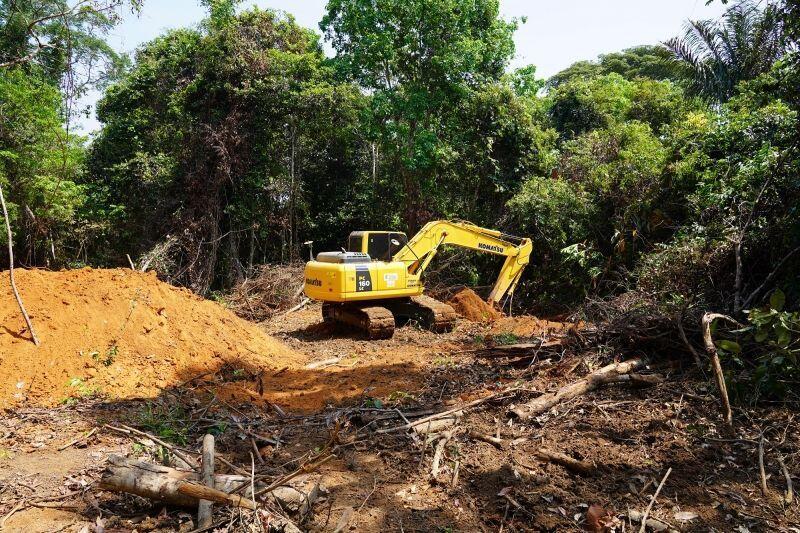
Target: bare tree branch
719 377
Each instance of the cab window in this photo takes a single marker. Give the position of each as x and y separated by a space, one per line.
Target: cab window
378 246
354 243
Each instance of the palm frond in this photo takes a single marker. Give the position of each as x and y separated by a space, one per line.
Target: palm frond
744 43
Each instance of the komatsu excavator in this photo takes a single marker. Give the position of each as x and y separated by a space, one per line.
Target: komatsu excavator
377 280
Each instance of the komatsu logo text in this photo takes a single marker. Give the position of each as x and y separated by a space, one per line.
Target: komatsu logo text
314 282
490 247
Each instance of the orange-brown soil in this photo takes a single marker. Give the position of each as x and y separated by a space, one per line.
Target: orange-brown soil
530 326
472 307
384 481
120 333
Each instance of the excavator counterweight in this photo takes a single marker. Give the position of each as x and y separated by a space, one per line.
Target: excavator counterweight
377 281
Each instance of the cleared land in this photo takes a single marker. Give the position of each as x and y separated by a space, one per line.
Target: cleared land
279 394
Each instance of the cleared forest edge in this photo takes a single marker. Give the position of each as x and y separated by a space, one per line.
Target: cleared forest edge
122 334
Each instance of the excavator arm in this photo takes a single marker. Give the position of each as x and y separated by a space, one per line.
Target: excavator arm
420 250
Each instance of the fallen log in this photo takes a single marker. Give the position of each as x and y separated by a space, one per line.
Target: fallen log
639 380
608 374
163 483
201 492
157 482
509 350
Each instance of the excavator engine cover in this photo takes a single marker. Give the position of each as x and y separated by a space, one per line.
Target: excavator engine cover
340 278
343 257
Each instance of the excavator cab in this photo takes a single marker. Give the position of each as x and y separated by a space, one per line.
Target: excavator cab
379 245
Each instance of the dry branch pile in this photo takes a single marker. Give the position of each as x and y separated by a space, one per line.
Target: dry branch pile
270 290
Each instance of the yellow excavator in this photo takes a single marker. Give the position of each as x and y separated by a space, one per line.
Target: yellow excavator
377 280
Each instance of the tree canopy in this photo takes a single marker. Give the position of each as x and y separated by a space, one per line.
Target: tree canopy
666 168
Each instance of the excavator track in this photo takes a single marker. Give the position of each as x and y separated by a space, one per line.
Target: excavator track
439 317
428 312
375 321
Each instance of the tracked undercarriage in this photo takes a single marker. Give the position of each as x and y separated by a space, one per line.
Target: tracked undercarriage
377 318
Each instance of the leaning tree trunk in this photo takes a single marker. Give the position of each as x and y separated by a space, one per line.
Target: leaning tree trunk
11 271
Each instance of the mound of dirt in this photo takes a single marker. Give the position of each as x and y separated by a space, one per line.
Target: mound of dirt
472 307
121 333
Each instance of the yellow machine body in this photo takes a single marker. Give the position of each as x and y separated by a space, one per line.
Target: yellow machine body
370 275
331 282
385 265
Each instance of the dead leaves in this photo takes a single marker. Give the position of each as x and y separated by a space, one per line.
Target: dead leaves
600 520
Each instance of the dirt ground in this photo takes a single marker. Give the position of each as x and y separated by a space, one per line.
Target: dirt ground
338 389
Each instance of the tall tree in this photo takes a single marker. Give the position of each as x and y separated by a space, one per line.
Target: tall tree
39 166
646 61
420 59
744 43
216 144
64 40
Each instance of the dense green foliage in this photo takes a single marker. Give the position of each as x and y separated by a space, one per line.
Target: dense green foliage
63 42
51 53
646 61
218 136
40 165
419 87
230 144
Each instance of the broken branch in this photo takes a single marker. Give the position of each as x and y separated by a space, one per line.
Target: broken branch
607 374
580 467
688 344
469 405
762 474
653 499
127 430
201 492
719 377
788 497
79 439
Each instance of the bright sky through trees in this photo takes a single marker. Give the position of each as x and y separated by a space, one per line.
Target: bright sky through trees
557 32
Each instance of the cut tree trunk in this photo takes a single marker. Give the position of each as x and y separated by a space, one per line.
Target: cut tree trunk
158 482
608 374
204 512
180 487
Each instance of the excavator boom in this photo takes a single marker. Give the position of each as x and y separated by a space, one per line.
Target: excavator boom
421 249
